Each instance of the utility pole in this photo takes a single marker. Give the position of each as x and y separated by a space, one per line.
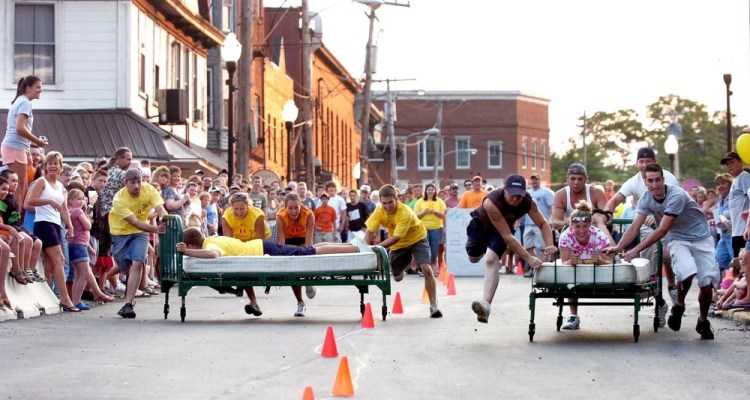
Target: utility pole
245 132
390 117
306 98
438 145
583 133
366 102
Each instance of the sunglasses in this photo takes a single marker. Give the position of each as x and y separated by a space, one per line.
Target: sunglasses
467 185
580 218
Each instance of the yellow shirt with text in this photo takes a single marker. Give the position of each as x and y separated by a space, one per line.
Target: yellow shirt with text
125 205
404 223
430 220
244 229
228 246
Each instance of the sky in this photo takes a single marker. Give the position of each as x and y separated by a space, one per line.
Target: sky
582 55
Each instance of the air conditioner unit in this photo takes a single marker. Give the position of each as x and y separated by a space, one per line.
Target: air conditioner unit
197 115
173 106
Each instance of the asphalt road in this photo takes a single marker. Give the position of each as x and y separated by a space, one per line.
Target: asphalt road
219 352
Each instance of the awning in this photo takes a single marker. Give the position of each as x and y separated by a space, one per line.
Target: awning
82 135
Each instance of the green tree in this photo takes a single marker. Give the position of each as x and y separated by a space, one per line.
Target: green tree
613 132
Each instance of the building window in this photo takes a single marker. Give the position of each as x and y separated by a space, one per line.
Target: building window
209 98
34 42
142 73
156 79
227 16
176 63
430 150
533 154
544 154
463 156
495 155
524 153
401 159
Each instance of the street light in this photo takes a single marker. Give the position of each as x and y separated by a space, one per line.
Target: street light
436 179
730 137
231 50
394 171
289 113
671 147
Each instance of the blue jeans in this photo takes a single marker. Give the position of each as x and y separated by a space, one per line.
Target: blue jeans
724 252
433 238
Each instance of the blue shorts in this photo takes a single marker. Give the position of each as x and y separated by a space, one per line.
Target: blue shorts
480 237
78 253
747 245
129 248
49 233
271 248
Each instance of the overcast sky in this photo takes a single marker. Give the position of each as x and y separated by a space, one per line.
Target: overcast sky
583 55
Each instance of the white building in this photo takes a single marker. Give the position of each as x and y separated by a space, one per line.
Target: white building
105 66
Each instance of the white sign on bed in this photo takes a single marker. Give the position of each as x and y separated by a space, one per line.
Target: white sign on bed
457 219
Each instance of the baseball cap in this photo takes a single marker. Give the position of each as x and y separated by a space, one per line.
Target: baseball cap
214 189
364 188
133 174
324 195
454 186
577 169
732 155
515 185
199 172
235 187
535 176
476 177
646 152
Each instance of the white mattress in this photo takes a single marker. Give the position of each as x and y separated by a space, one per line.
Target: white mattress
638 271
327 263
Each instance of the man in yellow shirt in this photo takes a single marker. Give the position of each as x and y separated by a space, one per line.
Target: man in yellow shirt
129 227
407 238
473 197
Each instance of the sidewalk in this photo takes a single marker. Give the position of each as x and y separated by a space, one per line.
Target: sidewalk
740 316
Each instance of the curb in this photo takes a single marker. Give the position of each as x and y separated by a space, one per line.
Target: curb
738 315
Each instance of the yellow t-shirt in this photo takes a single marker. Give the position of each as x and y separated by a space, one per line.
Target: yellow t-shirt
472 199
403 223
429 220
244 229
228 246
125 205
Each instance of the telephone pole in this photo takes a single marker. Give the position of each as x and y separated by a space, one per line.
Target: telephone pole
245 132
306 98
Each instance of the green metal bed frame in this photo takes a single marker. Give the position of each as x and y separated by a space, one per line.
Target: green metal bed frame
171 274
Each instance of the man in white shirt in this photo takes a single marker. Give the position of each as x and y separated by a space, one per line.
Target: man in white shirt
532 234
338 204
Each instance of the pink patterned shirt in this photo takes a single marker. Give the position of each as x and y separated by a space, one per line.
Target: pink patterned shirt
597 241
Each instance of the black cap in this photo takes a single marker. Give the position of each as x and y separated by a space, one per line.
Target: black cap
577 169
646 152
515 185
732 155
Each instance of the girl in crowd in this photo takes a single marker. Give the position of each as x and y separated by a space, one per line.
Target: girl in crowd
431 210
18 137
47 197
79 248
194 215
295 225
724 252
581 244
244 221
174 202
11 215
10 235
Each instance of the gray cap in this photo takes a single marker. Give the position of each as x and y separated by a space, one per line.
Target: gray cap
577 169
133 174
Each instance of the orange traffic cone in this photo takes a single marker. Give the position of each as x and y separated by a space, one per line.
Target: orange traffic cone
398 308
519 269
425 296
445 277
367 320
451 285
343 384
308 393
329 344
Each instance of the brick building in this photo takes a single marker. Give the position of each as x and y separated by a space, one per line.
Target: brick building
509 130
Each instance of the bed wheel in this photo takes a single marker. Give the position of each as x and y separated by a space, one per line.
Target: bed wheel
166 310
385 311
636 332
532 330
559 322
656 324
182 313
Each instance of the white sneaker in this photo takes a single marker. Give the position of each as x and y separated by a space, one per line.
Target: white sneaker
300 310
435 312
311 291
503 270
482 310
362 246
663 310
574 322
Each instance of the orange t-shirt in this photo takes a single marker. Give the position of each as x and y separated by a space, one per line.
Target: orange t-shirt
30 172
472 199
324 218
295 228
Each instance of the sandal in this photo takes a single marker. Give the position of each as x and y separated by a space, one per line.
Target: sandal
38 277
104 299
18 276
29 275
70 308
140 293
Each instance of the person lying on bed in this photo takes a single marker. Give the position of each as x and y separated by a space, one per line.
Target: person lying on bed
581 243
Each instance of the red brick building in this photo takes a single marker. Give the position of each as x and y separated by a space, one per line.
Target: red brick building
509 130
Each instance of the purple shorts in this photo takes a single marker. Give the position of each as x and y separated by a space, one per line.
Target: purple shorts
273 249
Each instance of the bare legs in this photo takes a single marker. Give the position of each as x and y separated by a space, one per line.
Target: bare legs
53 256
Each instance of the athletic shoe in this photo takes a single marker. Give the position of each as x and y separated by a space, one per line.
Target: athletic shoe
83 306
29 275
435 312
675 320
529 273
503 270
704 328
482 310
127 311
253 309
361 245
574 322
663 310
311 291
38 278
300 309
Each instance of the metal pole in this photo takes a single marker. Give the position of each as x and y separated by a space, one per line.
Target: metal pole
366 101
438 146
231 67
306 100
289 128
391 132
245 136
730 136
585 150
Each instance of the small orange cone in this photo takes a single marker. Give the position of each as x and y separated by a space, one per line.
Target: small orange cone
519 269
445 277
367 320
451 285
343 384
425 296
308 393
329 344
398 308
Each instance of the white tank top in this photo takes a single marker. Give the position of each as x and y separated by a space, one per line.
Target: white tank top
569 210
46 212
